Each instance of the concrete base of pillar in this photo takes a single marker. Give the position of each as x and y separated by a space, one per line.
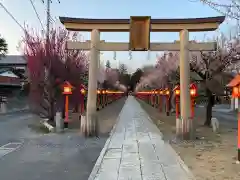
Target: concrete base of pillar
178 126
83 123
89 125
185 129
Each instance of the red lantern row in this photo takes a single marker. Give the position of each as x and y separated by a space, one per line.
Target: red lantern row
193 90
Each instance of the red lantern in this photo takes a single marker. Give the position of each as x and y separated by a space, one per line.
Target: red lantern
83 91
167 92
177 93
161 92
67 88
193 90
177 90
235 92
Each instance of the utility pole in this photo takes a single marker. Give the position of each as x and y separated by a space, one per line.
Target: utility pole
48 81
48 3
48 20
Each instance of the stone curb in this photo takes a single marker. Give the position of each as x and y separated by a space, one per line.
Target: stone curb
104 150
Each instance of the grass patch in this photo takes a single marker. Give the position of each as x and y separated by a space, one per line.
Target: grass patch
39 128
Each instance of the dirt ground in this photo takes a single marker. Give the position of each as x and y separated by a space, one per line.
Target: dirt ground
106 117
212 156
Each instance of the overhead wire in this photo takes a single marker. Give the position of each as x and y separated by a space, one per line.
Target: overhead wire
34 8
10 14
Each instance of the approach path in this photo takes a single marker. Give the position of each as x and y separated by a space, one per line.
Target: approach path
135 151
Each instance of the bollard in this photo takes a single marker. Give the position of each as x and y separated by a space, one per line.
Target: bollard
3 107
59 122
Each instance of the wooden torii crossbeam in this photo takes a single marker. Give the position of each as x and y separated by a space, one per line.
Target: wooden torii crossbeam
121 46
156 25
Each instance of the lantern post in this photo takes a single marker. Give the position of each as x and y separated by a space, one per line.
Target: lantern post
107 97
178 120
67 90
113 96
103 98
98 99
160 100
152 98
236 90
110 97
177 95
156 98
83 92
167 95
193 93
144 95
235 85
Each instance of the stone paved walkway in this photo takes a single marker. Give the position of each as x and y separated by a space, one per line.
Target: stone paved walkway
136 151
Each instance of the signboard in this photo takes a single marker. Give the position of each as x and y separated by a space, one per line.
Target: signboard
139 33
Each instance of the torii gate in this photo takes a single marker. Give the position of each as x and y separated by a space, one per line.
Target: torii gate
140 28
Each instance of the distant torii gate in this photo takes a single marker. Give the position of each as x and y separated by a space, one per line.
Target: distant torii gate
140 28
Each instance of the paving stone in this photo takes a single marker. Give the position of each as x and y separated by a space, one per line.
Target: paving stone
130 156
153 177
152 169
129 172
110 165
113 154
166 156
130 147
106 176
129 177
175 172
155 135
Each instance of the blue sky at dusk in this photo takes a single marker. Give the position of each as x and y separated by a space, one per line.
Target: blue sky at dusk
105 9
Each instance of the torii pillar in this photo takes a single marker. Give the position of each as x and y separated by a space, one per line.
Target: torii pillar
184 84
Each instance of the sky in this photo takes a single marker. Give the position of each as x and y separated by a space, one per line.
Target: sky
24 13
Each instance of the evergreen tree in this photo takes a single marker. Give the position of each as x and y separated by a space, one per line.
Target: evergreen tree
3 47
108 65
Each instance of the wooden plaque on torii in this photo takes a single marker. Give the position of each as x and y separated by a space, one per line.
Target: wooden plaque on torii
139 33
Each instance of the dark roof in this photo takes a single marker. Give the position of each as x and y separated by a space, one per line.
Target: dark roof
10 81
13 59
218 19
